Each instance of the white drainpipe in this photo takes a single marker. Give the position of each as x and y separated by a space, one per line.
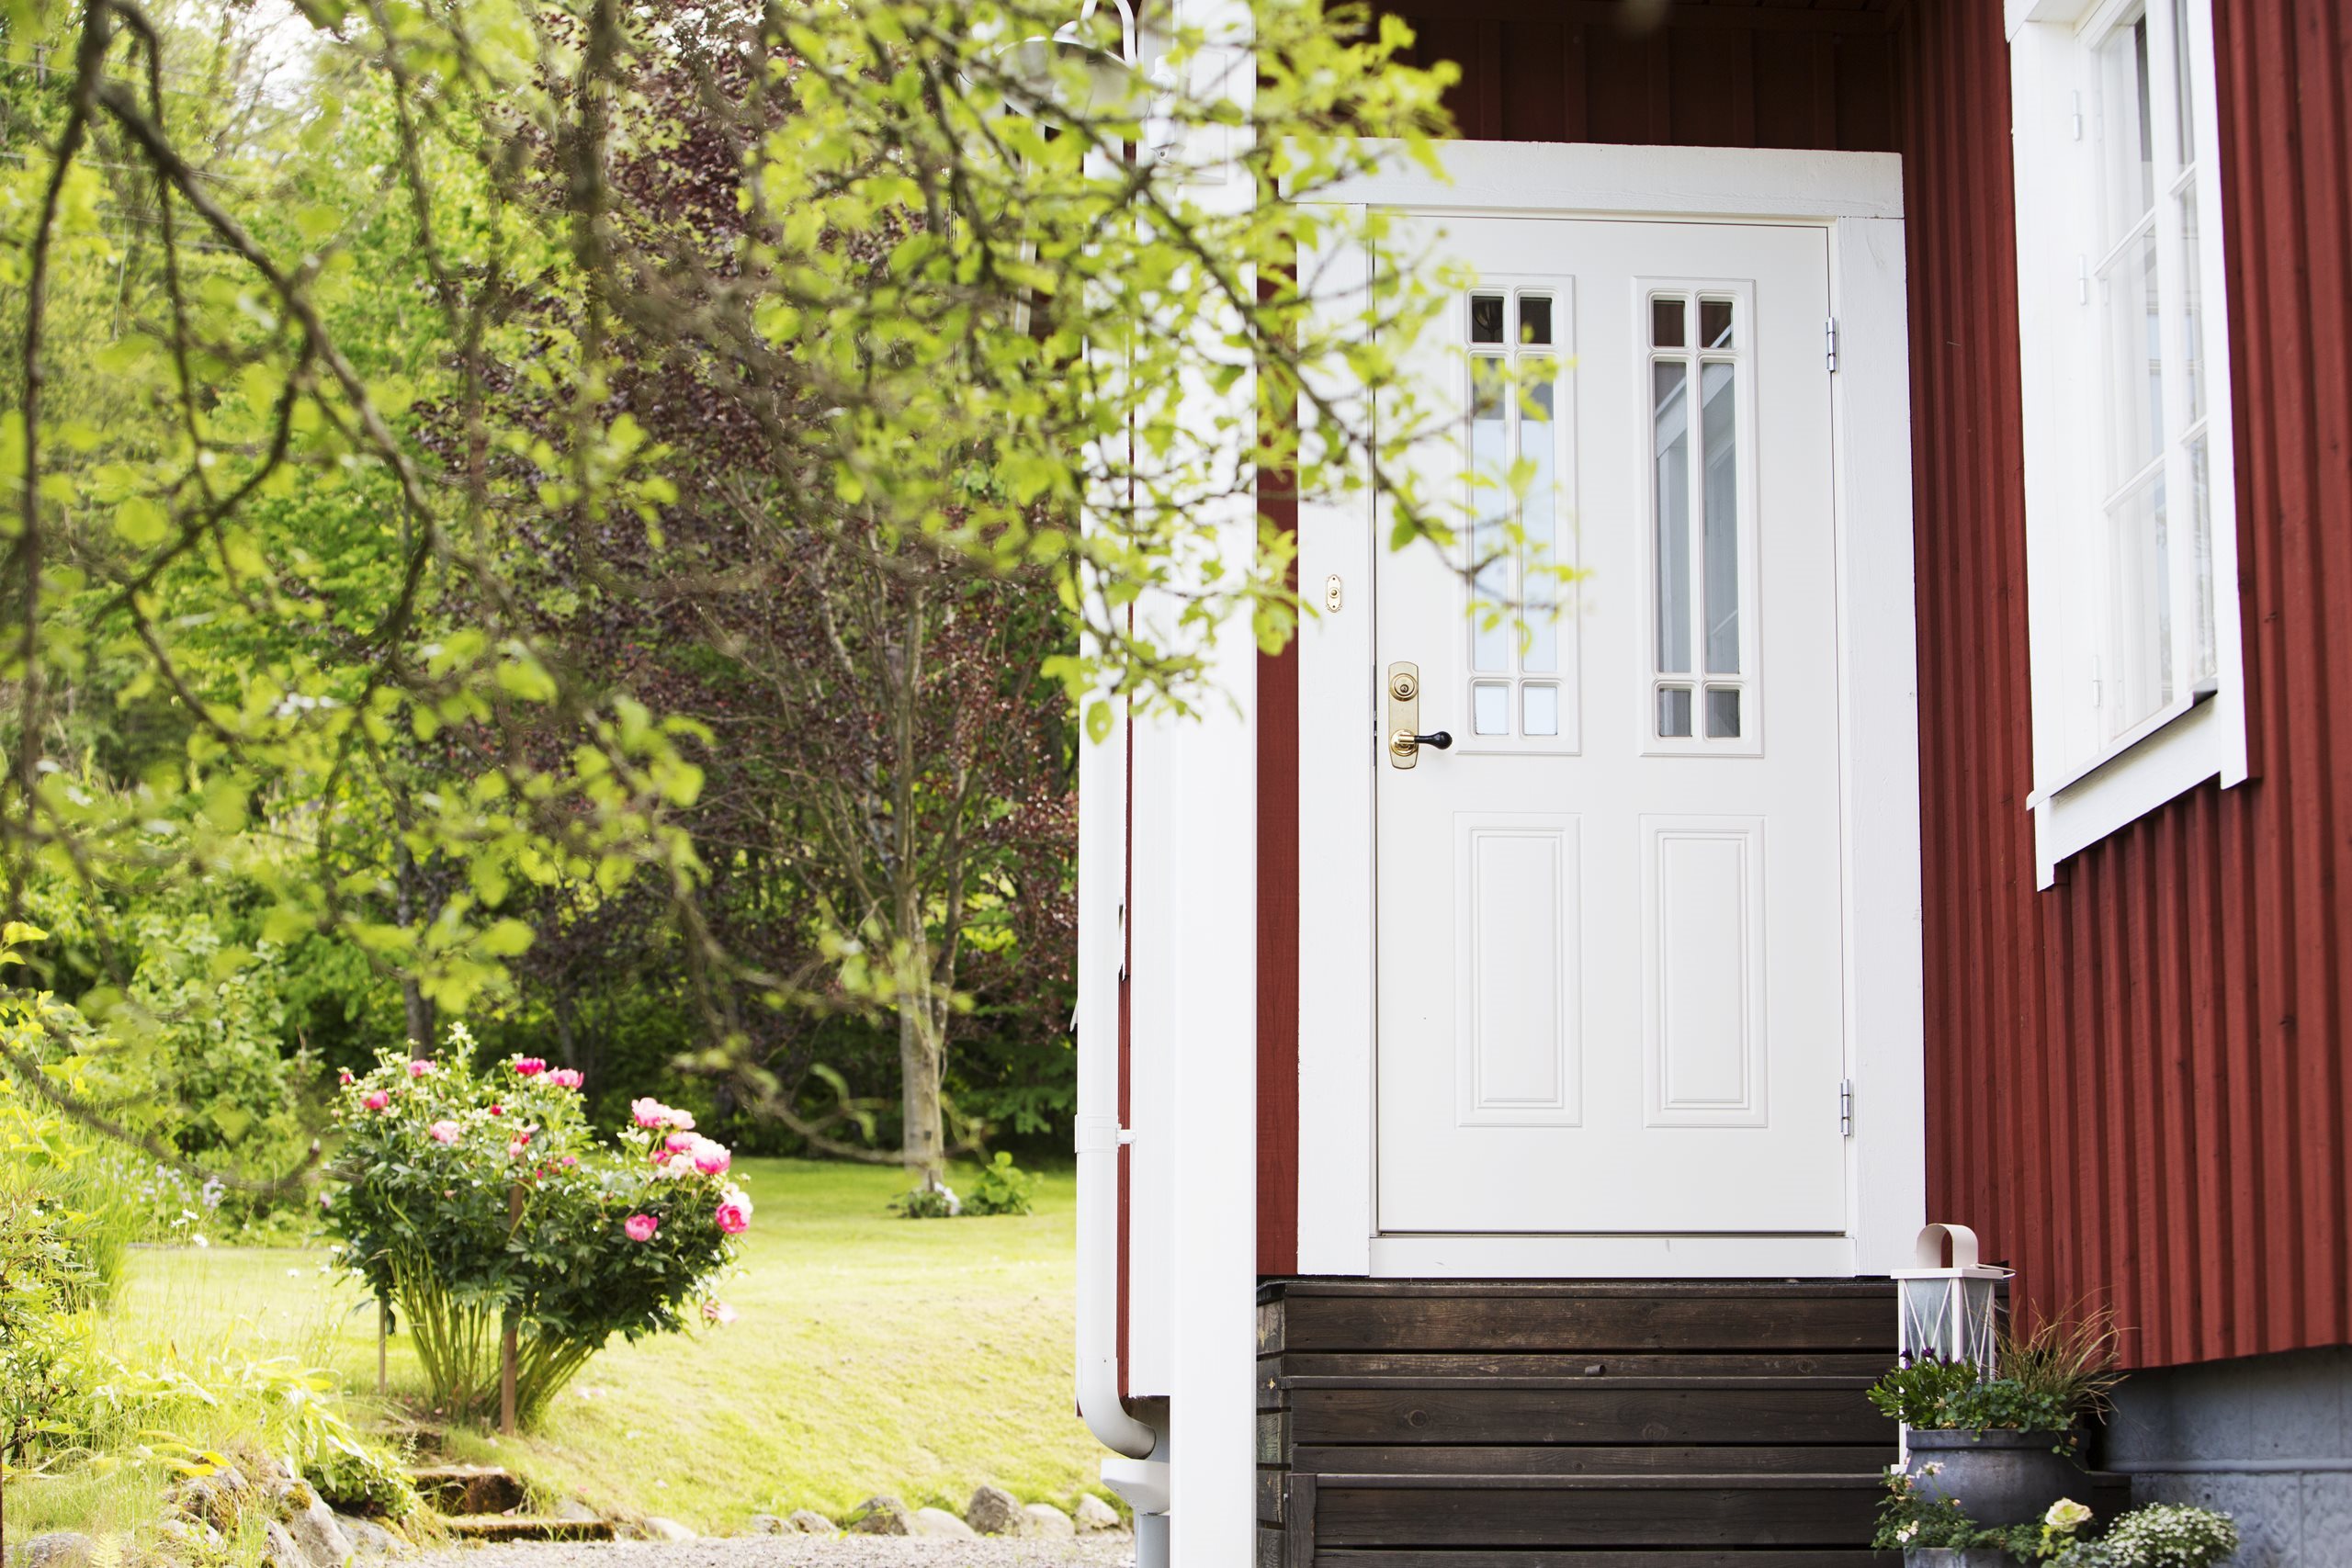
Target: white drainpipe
1141 1473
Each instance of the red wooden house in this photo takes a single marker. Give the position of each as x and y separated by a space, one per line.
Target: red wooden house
1929 811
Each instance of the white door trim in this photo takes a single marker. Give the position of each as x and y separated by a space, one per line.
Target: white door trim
1856 197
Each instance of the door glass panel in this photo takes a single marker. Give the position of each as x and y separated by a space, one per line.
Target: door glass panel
1539 707
1674 712
1720 455
1666 323
1540 522
1485 318
2130 156
2207 651
1490 709
2191 312
1714 323
1723 713
1535 318
1669 416
1490 638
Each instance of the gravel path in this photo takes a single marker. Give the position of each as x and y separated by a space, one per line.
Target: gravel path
797 1552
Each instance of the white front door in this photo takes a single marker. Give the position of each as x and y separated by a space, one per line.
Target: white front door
1608 927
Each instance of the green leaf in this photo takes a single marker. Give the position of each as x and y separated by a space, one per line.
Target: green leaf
141 523
505 939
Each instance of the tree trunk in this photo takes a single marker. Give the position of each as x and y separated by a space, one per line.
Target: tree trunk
413 1000
923 1142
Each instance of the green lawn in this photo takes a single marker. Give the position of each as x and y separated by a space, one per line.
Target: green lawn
873 1354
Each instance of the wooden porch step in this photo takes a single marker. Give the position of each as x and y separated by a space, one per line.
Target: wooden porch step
1437 1557
1597 1459
1633 1411
1489 1513
1522 1317
1373 1364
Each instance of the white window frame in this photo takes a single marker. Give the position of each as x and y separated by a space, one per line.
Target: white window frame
2088 786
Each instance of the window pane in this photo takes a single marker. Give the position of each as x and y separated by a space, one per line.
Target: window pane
2201 524
1674 712
1538 520
1666 323
1670 415
2184 105
1723 713
2136 414
2129 149
2141 679
1719 454
1714 323
1535 318
1490 709
2191 309
1485 318
1541 707
1490 636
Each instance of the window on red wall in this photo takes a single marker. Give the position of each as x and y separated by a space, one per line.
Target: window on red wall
2138 673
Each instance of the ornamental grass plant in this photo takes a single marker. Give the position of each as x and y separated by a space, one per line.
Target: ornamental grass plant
477 1199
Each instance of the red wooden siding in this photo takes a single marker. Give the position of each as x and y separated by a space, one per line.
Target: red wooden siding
1278 932
2137 1087
2137 1082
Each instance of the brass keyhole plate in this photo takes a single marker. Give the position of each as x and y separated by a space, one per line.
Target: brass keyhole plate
1404 700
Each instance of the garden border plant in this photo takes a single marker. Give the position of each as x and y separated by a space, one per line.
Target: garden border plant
478 1203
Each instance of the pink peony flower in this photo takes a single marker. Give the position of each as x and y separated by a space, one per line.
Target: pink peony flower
712 1159
421 1066
343 1077
519 1148
443 1132
529 1066
565 1078
653 1113
498 1110
732 1218
679 1143
719 1312
571 1159
641 1227
377 1100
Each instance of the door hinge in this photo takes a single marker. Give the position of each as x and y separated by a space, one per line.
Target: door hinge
1829 344
1846 1108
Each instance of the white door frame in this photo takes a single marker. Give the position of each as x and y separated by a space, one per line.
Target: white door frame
1858 198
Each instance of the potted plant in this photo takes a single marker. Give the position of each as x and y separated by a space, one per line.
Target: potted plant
1934 1532
2002 1448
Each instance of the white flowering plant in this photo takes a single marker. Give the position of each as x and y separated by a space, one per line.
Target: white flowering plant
2162 1535
476 1196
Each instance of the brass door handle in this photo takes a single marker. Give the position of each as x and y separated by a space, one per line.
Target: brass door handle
1405 742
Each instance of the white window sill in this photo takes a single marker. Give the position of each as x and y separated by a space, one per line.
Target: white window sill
2174 756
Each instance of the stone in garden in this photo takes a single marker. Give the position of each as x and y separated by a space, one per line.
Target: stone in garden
59 1548
573 1511
368 1538
278 1551
808 1521
768 1524
940 1522
880 1515
1094 1513
659 1528
1047 1521
993 1511
317 1536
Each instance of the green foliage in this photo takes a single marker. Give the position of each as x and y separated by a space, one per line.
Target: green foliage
2162 1535
1002 1188
1909 1518
1932 1394
927 1203
475 1199
2064 1360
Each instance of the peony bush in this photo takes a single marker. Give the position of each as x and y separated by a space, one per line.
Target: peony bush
476 1195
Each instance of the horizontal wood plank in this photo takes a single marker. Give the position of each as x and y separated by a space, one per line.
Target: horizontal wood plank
1597 1459
1719 1512
1372 1364
1543 1557
1603 1414
1521 1325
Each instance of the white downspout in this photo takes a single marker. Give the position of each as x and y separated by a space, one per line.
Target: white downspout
1141 1473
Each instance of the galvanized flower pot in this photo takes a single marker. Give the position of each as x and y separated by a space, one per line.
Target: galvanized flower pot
1997 1477
1953 1557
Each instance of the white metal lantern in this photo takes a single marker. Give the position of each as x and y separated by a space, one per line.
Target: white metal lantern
1949 1311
